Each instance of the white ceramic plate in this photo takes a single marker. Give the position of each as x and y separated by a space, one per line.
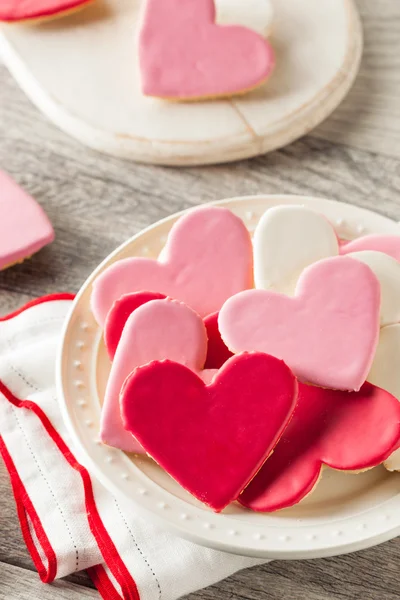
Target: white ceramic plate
81 71
345 513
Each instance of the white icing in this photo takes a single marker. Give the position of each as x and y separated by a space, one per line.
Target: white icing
385 373
387 270
286 241
255 14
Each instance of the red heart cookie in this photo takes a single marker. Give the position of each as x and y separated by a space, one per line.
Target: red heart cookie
346 431
327 334
183 54
212 439
24 10
208 257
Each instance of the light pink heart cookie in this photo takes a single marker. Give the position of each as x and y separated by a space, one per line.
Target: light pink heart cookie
158 330
208 258
183 54
327 333
388 244
24 226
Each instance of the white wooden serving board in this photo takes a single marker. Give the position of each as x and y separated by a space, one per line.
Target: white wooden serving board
81 71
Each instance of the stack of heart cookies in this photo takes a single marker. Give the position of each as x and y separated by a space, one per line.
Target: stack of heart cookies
243 367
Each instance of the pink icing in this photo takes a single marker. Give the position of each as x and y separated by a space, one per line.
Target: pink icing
327 333
20 10
208 258
346 431
203 433
184 54
388 244
24 226
157 330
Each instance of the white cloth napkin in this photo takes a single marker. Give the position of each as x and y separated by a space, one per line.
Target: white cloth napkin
68 520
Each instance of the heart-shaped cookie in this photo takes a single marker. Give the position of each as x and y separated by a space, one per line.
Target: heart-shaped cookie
211 439
385 373
346 431
388 244
387 271
184 54
24 226
327 333
26 10
157 330
288 239
208 257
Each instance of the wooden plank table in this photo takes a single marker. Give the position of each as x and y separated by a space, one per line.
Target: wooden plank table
95 202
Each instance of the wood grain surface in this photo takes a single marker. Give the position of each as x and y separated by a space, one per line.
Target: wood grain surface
96 202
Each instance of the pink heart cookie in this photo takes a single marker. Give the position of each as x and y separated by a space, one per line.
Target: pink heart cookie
211 439
157 330
24 226
388 244
327 333
183 54
346 431
208 258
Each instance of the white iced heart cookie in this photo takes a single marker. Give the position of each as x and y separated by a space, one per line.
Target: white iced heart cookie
254 14
387 270
385 373
286 241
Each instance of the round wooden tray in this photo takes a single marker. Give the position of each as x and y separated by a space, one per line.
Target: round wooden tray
81 71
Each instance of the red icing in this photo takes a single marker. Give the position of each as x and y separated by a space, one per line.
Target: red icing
211 439
21 10
217 353
119 314
346 431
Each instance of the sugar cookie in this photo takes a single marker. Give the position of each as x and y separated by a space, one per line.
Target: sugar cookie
185 55
208 258
385 373
288 239
388 244
346 431
211 439
387 270
327 333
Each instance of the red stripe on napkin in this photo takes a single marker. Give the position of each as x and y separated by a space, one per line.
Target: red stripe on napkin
105 543
24 508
